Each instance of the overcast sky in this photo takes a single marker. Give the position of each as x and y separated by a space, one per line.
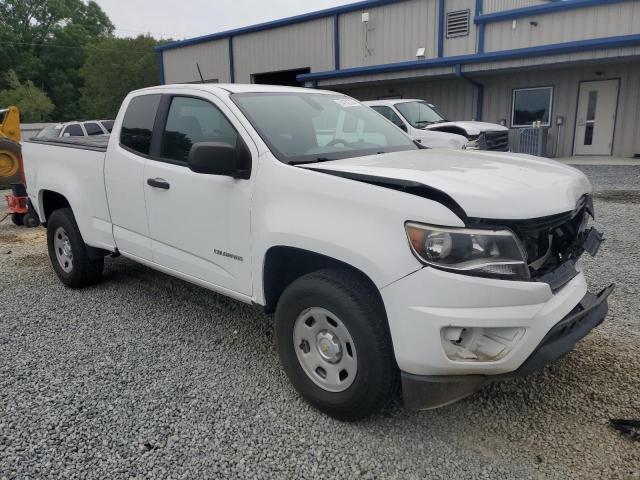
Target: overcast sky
191 18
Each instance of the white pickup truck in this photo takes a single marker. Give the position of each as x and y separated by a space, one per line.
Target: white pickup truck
421 120
385 263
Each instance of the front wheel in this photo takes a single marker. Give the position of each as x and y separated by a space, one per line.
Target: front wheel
68 252
333 342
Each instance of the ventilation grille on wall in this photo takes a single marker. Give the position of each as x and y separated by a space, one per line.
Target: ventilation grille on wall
458 23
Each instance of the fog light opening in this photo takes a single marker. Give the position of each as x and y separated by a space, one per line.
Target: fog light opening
477 344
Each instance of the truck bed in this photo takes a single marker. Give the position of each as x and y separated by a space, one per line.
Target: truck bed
97 143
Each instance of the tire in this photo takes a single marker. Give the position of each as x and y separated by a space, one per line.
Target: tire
17 219
336 298
30 220
68 252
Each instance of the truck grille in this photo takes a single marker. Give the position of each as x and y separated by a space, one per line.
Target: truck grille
495 140
552 242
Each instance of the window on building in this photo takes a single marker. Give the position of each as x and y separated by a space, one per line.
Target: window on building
73 130
190 121
93 128
458 23
137 125
389 114
531 105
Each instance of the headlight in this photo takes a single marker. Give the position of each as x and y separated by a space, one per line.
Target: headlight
488 253
472 145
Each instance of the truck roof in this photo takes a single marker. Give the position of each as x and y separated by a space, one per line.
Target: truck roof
393 101
237 88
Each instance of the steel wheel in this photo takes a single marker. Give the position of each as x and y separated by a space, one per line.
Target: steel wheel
62 246
325 349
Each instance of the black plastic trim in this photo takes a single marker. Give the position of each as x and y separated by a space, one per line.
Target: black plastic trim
406 186
61 143
432 391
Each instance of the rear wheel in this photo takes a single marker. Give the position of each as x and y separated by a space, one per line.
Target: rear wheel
333 342
17 218
30 220
68 252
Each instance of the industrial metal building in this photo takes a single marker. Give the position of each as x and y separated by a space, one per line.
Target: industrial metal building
571 65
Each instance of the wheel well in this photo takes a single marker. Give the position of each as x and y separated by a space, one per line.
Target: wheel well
52 201
283 265
456 130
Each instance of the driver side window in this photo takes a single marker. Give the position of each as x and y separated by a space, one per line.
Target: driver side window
191 120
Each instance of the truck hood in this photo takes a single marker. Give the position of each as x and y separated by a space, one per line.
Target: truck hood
484 184
471 127
435 139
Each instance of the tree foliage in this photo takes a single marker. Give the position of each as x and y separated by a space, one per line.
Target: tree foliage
33 103
43 42
114 67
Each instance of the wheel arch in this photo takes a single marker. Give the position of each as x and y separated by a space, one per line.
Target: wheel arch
51 201
284 264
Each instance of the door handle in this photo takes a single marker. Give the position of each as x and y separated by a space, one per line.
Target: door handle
158 183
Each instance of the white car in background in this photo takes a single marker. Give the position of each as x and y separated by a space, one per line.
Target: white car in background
77 129
419 118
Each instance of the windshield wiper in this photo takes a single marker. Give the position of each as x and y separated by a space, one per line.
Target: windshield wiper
316 160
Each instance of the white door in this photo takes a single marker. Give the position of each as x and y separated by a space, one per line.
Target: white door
124 176
199 224
597 105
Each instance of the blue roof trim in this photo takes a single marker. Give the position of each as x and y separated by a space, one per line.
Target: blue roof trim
336 41
551 7
161 67
279 23
441 33
553 49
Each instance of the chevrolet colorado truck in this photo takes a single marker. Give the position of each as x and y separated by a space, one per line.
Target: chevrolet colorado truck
419 119
385 264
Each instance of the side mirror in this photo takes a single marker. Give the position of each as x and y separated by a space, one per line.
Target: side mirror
217 158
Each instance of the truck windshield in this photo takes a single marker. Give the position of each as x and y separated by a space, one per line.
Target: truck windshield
420 114
314 127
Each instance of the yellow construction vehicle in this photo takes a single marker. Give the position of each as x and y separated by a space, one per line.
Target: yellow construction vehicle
10 157
12 171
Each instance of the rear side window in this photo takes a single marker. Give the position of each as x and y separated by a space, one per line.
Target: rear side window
93 128
190 121
108 125
74 130
137 125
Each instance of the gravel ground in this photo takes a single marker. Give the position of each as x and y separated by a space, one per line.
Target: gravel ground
145 376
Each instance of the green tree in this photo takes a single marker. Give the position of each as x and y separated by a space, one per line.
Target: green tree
43 41
33 103
113 68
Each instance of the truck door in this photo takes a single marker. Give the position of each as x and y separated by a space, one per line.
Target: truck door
124 176
199 223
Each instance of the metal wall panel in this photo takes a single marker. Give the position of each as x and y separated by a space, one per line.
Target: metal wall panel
308 44
553 61
213 58
566 81
565 26
390 76
394 33
492 6
461 45
455 98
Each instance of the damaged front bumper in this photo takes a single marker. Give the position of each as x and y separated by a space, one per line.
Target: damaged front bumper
432 391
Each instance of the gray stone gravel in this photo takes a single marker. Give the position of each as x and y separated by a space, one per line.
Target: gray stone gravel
145 376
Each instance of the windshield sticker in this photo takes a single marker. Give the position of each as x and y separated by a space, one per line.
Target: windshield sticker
347 102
